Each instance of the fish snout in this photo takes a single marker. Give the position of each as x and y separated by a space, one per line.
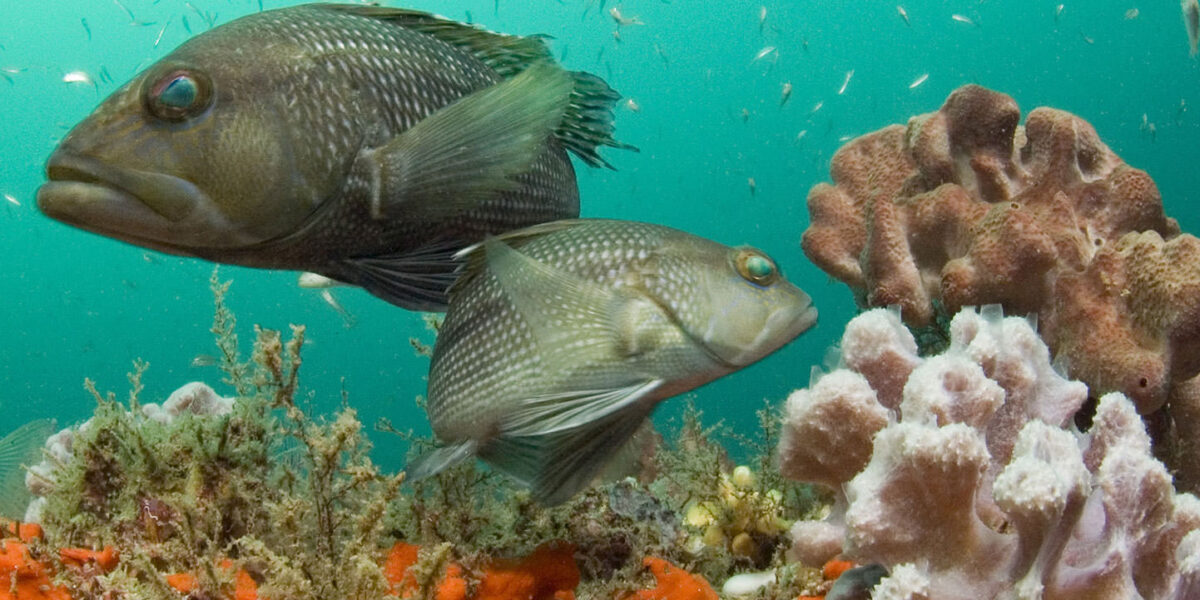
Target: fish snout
750 331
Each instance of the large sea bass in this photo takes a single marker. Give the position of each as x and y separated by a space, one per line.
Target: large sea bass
363 143
562 338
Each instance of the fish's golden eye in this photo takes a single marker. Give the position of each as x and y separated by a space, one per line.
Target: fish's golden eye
756 267
179 95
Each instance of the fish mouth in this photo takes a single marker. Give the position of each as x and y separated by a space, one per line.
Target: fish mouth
781 326
139 207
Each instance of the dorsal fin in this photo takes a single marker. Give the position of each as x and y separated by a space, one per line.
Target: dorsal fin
588 120
506 54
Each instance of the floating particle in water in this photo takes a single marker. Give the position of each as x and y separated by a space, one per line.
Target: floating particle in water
786 94
818 106
12 200
903 15
918 81
753 186
1132 14
633 106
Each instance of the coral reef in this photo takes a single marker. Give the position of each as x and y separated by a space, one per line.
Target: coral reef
966 207
963 474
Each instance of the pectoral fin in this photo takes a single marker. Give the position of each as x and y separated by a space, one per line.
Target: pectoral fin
437 460
571 318
19 449
469 151
557 444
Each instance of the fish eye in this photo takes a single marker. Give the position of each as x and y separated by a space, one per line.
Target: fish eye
179 95
756 267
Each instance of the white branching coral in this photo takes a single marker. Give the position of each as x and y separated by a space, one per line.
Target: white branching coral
965 476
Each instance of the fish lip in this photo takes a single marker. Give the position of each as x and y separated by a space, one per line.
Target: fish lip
173 198
95 197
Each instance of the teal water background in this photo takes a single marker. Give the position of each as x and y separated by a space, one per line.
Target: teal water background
76 305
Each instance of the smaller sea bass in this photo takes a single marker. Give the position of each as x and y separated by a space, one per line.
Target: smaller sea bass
561 339
363 143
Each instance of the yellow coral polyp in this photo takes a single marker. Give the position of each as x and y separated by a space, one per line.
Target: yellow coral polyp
714 536
743 478
743 545
700 515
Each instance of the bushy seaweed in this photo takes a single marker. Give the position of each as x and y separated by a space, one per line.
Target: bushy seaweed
296 502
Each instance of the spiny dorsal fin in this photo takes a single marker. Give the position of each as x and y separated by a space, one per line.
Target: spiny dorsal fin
588 121
506 54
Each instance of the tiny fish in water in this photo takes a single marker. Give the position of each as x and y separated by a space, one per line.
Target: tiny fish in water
1132 14
963 19
786 94
1058 11
80 77
316 281
846 82
126 9
762 19
204 360
766 51
903 15
817 106
800 136
86 28
633 106
753 186
621 20
562 338
661 54
918 81
348 319
1191 20
329 156
12 199
158 38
